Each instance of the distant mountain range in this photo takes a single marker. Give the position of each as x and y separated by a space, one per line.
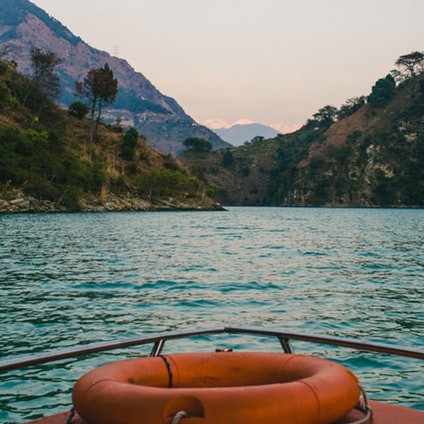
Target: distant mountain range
238 134
24 26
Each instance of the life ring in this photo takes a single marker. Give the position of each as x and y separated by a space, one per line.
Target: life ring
217 388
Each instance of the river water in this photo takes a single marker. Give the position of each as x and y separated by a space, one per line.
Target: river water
73 279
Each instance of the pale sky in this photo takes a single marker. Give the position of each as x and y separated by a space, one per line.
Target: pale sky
270 61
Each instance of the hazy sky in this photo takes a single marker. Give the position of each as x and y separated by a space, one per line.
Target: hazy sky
270 61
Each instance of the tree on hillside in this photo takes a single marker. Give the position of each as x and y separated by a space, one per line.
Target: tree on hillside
198 144
44 83
78 110
44 76
100 88
129 144
324 118
382 91
411 64
227 158
350 107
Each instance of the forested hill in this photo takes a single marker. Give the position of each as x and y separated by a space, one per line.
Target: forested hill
47 163
370 152
24 26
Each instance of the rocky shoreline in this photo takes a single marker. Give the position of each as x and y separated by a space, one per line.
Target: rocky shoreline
19 202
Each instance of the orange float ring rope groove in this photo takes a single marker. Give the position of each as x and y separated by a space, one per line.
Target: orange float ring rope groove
217 388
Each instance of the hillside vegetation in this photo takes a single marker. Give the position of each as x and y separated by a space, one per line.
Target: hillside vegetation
370 152
46 162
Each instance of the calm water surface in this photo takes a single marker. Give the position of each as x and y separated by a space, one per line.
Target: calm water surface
72 279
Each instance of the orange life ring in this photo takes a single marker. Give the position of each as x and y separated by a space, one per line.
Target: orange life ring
217 388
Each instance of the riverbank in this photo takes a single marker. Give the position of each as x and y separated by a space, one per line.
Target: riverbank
19 202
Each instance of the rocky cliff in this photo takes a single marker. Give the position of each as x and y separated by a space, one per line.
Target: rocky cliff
374 157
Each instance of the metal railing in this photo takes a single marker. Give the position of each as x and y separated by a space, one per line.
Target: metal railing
158 341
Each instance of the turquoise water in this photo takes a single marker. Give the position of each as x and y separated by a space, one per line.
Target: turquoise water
71 279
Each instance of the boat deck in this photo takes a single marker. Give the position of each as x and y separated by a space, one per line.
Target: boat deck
383 413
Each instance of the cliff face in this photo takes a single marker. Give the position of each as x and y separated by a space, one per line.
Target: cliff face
373 157
158 117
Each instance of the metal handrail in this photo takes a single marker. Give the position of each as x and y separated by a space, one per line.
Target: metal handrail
158 341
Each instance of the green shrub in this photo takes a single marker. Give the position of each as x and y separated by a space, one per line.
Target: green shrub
41 188
129 144
35 136
3 67
164 182
78 110
119 184
227 159
382 92
71 198
5 95
92 177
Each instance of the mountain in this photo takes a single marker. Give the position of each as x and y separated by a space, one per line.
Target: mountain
369 153
240 133
48 165
159 118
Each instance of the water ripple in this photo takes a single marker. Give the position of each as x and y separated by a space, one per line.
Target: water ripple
71 279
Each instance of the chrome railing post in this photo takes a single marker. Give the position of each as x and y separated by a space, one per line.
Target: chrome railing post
157 347
285 344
